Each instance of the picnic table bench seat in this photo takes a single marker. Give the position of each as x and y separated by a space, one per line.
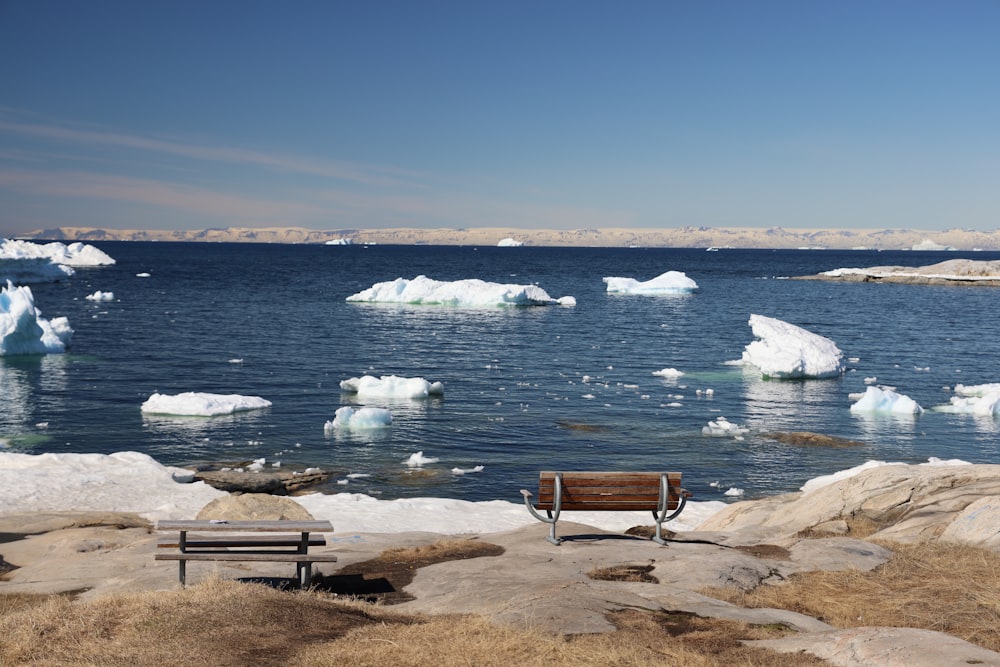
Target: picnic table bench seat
246 541
658 492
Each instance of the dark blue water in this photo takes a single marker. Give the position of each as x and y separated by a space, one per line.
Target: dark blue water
516 399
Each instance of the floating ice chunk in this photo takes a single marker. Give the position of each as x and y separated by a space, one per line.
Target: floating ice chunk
198 404
886 401
510 243
671 282
786 351
360 418
101 296
723 427
871 380
418 459
465 471
670 373
22 328
74 254
733 491
340 241
32 270
470 293
979 400
256 466
142 275
391 386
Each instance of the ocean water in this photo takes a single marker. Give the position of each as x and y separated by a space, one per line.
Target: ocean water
525 388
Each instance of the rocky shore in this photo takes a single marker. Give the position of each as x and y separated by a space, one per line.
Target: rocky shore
747 545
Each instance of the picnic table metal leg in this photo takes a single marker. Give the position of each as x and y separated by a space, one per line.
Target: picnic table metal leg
182 571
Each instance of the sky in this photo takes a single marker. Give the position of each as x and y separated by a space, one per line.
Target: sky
550 114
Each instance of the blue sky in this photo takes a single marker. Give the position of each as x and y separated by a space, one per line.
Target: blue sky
543 114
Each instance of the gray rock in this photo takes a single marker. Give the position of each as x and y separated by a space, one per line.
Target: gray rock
886 647
254 507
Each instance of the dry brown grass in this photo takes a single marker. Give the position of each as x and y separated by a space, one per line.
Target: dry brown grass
948 588
945 587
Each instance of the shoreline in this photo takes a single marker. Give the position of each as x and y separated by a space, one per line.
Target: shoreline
714 238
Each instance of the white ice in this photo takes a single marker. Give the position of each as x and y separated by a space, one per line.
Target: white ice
671 282
981 400
359 418
723 427
23 330
199 404
785 351
510 243
391 386
886 401
470 293
134 482
74 254
671 373
101 296
418 459
340 241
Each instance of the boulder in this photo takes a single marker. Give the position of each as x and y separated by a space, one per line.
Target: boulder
907 503
254 507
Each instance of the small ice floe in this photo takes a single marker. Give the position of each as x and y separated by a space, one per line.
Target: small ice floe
705 392
669 283
100 296
669 373
733 492
418 459
723 427
715 485
42 425
470 293
465 471
144 274
236 361
359 418
978 400
357 475
885 401
391 386
256 466
509 243
871 380
199 404
785 351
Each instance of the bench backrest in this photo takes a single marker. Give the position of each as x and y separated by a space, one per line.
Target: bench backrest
607 490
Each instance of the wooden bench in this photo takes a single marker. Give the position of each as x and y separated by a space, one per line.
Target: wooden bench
658 492
258 541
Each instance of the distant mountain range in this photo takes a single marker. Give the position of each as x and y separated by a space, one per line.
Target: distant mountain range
681 237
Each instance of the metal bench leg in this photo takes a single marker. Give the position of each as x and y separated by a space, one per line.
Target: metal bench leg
182 572
553 514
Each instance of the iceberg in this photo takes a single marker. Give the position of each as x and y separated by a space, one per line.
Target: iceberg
671 282
470 293
979 400
74 254
510 243
670 373
785 351
418 459
100 296
23 330
723 427
886 401
361 418
391 386
198 404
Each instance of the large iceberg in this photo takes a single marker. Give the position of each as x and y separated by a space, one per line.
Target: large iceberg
23 330
509 243
198 404
785 351
886 401
671 282
391 386
27 262
470 293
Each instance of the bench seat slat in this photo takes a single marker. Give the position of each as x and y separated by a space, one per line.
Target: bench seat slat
236 541
244 556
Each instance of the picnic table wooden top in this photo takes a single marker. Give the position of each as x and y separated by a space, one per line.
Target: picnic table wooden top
254 526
